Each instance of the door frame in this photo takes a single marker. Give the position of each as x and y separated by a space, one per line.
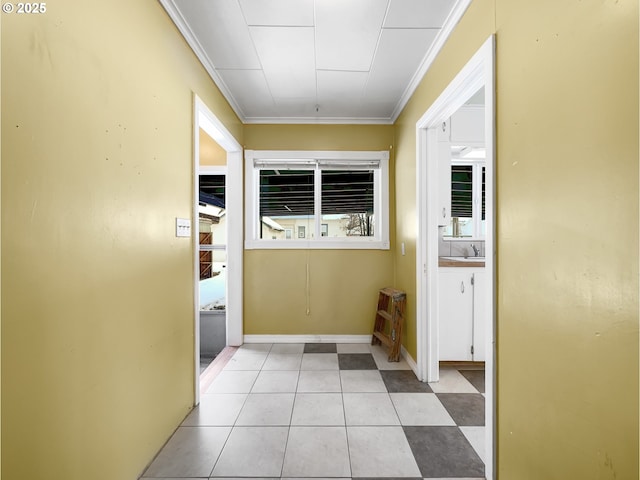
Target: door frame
478 72
205 119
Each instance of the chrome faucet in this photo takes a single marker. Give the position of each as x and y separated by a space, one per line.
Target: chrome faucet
476 250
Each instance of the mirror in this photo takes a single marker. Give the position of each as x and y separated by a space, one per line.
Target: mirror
468 218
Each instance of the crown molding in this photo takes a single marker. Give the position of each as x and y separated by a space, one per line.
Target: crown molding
174 13
320 120
445 32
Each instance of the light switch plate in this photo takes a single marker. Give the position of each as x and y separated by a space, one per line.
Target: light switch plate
183 227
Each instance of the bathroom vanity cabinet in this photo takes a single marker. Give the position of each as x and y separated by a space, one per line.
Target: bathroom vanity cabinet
461 314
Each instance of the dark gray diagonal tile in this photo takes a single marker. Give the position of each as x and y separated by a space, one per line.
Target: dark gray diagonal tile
356 361
475 377
443 452
320 348
388 478
404 381
466 409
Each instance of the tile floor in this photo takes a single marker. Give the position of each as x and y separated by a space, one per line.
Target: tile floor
328 411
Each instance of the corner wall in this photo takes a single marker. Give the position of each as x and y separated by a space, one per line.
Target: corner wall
97 292
567 229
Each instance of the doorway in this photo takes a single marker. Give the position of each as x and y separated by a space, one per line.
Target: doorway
477 74
212 235
223 254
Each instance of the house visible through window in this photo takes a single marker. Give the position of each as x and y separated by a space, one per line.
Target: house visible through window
330 199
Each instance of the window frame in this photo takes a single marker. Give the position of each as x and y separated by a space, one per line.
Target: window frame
476 202
315 240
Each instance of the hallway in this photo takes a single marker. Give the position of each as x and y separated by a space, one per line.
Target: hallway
328 410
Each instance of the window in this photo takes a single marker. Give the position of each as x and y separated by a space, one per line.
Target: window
330 199
467 200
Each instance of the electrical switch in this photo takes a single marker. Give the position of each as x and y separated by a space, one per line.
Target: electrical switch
183 227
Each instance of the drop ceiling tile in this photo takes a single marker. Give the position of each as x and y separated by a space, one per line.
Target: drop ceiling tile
347 33
221 31
374 108
340 86
417 13
250 91
392 72
286 55
339 108
296 107
278 12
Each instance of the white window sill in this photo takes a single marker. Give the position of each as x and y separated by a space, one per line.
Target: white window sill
316 245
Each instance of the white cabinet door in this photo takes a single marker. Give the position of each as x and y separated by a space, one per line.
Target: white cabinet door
455 295
479 315
444 183
467 126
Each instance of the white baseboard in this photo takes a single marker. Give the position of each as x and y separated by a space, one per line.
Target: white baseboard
325 339
307 339
410 361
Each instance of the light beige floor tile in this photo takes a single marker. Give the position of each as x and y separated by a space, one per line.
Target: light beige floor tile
318 409
369 409
421 409
381 357
353 348
283 361
452 381
216 409
287 348
253 452
476 437
362 381
380 452
254 347
319 381
319 361
270 409
231 381
317 452
277 381
190 452
246 361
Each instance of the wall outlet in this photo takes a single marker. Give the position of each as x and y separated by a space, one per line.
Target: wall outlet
183 227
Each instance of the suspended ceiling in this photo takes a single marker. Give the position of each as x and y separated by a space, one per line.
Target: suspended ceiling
316 61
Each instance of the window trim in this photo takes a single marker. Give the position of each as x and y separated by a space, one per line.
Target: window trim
380 240
476 199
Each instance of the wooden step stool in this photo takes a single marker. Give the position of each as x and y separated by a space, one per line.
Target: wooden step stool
391 304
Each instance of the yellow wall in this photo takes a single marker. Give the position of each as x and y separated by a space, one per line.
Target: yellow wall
97 292
96 299
211 154
342 291
567 229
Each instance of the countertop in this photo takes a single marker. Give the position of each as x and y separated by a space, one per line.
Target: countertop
459 262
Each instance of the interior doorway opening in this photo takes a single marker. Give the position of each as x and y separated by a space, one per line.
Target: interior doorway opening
212 235
434 184
217 239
